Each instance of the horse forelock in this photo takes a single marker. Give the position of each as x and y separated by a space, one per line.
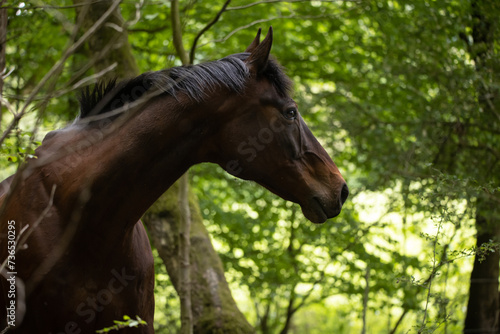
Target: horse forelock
197 81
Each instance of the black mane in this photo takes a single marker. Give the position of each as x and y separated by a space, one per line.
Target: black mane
197 81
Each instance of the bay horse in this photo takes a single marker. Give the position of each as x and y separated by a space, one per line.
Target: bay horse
74 210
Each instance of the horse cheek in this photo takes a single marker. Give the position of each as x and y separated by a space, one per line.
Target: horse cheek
244 149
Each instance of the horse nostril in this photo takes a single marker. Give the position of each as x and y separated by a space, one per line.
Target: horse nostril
344 193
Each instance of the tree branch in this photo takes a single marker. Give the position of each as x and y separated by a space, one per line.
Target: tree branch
58 66
52 7
151 30
185 226
365 298
284 1
202 31
177 33
279 17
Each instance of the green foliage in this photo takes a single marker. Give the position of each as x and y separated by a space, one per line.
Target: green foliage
167 312
19 146
126 323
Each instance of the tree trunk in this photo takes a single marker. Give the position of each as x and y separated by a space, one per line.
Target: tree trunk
110 43
365 298
213 307
184 288
483 306
184 283
264 320
290 310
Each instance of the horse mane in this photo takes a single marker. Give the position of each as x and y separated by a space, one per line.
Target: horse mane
197 81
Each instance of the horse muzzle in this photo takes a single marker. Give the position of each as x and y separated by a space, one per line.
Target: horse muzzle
320 208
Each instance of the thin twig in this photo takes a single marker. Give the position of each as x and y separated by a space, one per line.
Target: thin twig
22 237
21 243
65 22
280 17
5 103
84 81
284 1
60 248
138 7
208 26
52 7
365 298
431 276
150 30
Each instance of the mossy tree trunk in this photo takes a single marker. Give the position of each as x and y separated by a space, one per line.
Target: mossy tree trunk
183 287
213 307
109 44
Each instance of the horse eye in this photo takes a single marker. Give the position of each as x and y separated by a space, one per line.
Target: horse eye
290 113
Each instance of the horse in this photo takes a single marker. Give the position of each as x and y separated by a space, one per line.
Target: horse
70 228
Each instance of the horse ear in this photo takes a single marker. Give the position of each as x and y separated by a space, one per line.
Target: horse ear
255 42
257 61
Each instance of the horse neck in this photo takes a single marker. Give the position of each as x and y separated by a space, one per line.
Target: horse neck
136 161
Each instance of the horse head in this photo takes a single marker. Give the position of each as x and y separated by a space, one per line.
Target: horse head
266 140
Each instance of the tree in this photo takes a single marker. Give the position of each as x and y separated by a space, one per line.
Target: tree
483 309
212 304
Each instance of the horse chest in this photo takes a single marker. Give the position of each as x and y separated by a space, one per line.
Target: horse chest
86 301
